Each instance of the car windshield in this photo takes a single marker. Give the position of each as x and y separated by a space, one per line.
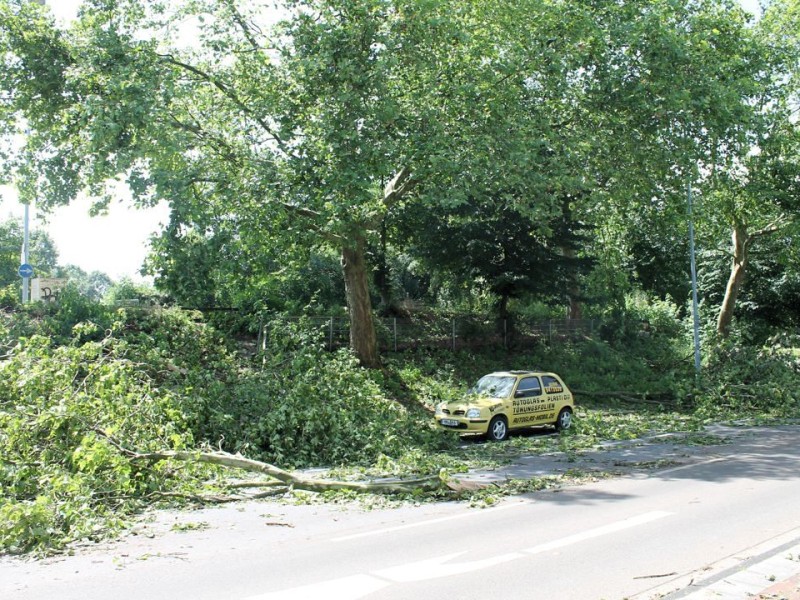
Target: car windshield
494 386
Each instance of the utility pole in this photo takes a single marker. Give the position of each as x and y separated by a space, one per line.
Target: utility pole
26 280
694 283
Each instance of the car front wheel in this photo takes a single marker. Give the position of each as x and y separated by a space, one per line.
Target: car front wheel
498 429
564 419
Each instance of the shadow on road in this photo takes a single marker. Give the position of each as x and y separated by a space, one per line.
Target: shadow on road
752 453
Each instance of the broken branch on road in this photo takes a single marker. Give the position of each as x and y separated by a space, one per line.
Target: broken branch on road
285 478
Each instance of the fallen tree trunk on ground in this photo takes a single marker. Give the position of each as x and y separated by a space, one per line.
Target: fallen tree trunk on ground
280 476
427 484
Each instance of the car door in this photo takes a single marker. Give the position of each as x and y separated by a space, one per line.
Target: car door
526 402
556 398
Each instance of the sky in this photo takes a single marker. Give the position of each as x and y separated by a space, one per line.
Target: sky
116 243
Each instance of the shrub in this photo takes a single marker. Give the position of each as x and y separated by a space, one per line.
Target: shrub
306 406
62 478
753 380
9 296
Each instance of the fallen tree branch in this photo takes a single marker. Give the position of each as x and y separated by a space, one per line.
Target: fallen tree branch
406 486
224 459
254 484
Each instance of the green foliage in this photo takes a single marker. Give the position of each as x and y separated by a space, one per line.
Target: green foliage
509 252
598 113
9 296
42 251
92 285
641 361
62 478
162 379
753 381
306 406
56 320
127 291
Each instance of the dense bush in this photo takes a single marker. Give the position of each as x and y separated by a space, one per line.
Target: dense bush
753 380
305 406
9 296
61 478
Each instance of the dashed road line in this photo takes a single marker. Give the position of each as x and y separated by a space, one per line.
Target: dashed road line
358 586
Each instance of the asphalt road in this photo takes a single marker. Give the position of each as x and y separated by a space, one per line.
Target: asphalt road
643 535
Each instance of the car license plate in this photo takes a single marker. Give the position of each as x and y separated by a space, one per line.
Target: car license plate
449 422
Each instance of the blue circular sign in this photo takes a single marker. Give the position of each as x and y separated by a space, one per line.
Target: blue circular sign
25 270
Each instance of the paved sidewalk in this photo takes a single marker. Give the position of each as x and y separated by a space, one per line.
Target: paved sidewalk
776 577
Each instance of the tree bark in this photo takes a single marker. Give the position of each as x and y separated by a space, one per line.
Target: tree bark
740 242
569 252
363 339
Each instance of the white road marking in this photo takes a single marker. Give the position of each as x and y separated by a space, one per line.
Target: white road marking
690 466
736 457
465 515
361 585
436 568
598 532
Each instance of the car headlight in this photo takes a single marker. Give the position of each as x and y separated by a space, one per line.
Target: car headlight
440 408
473 413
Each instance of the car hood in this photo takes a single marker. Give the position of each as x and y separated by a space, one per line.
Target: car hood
473 401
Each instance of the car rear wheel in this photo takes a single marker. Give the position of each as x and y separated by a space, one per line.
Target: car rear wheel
498 429
564 420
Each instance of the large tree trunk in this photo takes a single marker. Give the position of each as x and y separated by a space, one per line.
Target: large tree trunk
741 241
363 340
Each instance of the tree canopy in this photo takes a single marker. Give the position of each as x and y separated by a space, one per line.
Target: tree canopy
273 132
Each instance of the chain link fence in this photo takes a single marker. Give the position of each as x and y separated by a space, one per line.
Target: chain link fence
455 333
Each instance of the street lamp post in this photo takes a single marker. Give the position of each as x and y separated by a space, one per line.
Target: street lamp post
25 238
694 283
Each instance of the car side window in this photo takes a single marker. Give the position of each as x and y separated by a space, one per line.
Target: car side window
552 385
529 387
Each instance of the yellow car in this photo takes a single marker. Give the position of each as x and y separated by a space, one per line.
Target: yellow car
508 400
